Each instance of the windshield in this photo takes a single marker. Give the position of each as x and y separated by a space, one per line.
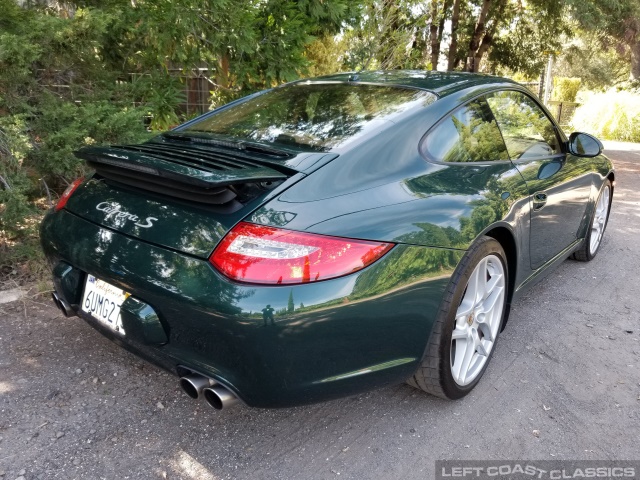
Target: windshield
312 116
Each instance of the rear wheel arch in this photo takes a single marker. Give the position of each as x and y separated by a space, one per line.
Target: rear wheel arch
598 221
505 237
435 374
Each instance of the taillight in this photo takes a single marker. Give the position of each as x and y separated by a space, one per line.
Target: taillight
67 193
266 255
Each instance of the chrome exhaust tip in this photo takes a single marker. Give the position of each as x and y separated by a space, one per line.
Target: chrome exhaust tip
194 384
219 397
54 297
63 306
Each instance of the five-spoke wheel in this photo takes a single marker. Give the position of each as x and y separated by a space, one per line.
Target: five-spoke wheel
468 323
478 320
599 220
593 240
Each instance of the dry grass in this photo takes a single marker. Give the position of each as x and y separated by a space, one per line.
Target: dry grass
22 262
609 115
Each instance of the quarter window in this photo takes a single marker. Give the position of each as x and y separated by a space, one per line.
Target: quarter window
526 130
470 134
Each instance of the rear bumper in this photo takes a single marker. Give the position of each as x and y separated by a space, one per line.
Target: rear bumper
325 340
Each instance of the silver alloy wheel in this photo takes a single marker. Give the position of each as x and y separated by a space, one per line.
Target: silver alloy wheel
599 220
478 320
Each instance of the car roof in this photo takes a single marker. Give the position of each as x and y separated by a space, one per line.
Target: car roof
440 83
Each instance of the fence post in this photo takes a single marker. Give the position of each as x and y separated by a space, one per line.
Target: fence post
541 84
560 113
547 86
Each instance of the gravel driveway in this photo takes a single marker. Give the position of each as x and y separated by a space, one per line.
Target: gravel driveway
564 383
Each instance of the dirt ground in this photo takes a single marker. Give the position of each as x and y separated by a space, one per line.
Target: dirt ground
564 383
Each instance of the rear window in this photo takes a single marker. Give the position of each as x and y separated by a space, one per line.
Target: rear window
312 116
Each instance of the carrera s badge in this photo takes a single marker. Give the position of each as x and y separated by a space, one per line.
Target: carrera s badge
113 210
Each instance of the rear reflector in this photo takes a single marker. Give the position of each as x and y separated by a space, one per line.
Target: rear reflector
67 193
266 255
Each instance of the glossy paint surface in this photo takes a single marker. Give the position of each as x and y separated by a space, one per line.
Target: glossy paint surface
186 228
287 345
141 322
560 191
274 346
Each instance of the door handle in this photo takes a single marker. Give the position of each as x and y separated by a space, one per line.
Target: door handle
539 200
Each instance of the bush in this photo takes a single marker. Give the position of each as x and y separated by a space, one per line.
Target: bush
36 152
72 72
612 115
55 96
565 89
62 127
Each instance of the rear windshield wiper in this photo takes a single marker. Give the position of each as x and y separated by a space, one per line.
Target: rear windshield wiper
235 144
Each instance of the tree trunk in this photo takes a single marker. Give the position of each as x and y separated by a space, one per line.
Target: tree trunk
488 34
487 41
453 46
420 45
222 74
474 43
433 35
635 61
443 17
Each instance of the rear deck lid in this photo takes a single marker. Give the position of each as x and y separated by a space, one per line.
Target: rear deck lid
180 195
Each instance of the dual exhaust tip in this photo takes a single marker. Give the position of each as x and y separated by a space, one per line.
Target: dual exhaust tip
194 385
215 394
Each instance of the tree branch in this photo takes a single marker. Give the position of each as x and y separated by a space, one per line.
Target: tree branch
4 182
433 35
453 46
487 39
479 31
46 187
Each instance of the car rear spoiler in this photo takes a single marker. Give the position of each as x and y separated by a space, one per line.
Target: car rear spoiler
192 174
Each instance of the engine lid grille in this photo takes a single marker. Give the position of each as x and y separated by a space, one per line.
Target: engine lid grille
203 175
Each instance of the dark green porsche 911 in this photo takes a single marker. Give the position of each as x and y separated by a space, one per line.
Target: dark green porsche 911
329 236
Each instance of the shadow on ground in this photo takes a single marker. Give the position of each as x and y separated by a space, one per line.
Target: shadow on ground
564 384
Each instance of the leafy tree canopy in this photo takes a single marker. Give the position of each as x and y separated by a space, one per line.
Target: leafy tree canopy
90 71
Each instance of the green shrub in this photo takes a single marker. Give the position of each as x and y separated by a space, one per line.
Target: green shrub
55 97
14 177
62 127
566 89
36 152
611 115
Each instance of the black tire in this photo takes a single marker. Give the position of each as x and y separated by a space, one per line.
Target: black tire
584 253
434 375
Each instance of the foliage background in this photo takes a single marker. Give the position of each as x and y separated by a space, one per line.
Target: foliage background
80 72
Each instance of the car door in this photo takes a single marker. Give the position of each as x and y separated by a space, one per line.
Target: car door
558 189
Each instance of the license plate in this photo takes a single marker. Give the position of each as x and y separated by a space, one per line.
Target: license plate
102 301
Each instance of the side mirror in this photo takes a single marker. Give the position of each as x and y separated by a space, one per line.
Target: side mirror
584 145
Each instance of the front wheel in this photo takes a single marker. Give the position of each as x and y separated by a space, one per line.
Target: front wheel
593 239
467 325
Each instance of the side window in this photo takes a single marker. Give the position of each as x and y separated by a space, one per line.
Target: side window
526 130
470 134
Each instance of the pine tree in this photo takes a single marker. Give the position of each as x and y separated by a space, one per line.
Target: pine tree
290 305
